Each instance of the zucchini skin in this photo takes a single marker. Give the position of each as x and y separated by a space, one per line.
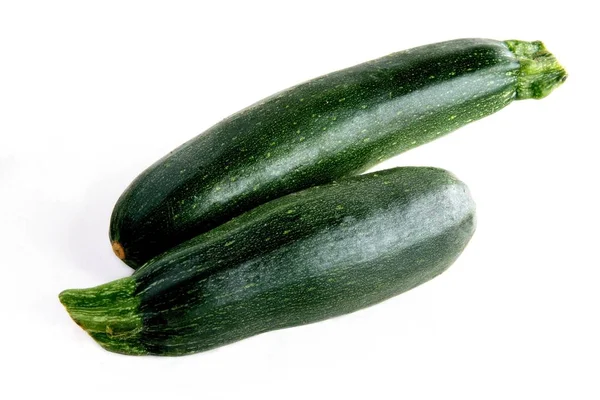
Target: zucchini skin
316 254
338 125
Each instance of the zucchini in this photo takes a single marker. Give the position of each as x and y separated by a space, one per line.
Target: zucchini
334 126
319 253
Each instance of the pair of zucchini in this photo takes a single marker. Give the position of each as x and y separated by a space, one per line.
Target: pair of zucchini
257 224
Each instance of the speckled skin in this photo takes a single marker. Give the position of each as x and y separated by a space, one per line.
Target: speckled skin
316 254
334 126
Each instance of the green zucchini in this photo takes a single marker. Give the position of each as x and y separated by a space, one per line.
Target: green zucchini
311 255
334 126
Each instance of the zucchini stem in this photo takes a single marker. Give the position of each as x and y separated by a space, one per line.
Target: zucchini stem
540 73
109 313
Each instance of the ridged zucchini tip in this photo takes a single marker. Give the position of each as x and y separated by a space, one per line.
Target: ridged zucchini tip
539 73
109 313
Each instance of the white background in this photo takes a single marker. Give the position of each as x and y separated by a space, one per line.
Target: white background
91 93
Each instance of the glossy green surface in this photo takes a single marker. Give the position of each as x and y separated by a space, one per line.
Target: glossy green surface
315 254
334 126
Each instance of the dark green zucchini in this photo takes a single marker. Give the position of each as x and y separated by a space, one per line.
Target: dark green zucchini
334 126
311 255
